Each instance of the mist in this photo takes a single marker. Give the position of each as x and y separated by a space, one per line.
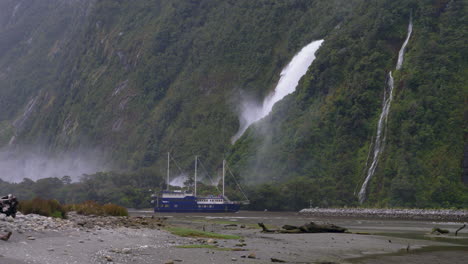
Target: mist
180 179
15 164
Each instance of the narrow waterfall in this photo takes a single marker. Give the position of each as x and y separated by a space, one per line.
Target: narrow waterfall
382 125
401 53
290 76
380 137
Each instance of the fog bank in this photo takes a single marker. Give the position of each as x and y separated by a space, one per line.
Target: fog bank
15 165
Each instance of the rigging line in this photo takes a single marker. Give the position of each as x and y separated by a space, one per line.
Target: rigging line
238 185
177 165
211 179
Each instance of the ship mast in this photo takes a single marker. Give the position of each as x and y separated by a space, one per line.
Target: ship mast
168 160
224 163
195 191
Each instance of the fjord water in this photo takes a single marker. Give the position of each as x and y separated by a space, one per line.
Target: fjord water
382 124
290 76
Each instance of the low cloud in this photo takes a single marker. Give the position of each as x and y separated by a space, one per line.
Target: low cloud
17 164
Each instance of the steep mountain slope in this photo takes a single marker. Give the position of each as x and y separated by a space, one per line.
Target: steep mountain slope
324 132
145 77
138 79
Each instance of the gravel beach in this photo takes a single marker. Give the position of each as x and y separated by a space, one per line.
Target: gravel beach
142 238
411 214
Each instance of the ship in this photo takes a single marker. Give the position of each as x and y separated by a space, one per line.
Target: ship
180 201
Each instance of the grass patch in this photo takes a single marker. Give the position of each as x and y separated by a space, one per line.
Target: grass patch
223 222
50 208
198 246
227 222
186 232
205 246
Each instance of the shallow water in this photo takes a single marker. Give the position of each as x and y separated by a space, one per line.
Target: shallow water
416 229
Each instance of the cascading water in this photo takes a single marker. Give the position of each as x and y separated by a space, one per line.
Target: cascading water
401 53
382 125
380 137
290 76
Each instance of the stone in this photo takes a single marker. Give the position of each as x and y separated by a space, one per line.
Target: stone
252 255
278 260
126 250
6 236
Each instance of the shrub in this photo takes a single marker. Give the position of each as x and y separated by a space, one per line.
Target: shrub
93 208
115 210
88 208
50 208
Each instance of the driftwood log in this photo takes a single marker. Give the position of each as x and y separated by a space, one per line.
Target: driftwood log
306 228
456 232
439 231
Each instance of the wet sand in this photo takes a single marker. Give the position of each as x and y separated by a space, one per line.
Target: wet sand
389 241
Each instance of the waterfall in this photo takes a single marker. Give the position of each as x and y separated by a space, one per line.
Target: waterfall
401 53
382 125
290 76
380 137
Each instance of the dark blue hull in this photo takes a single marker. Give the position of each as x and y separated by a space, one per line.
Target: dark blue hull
228 208
189 205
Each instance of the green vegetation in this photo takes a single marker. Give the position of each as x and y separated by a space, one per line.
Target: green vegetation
319 139
94 208
51 208
140 78
186 232
204 246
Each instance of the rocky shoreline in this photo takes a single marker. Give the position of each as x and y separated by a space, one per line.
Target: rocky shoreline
406 214
37 223
144 238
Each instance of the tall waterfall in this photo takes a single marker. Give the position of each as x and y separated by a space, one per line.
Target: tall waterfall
290 76
380 138
382 125
401 53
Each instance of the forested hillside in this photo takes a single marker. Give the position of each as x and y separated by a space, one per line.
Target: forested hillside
137 79
322 136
